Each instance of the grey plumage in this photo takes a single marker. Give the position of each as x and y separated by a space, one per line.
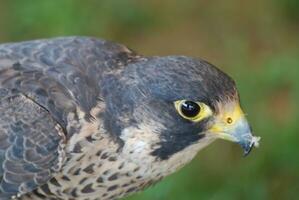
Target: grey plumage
83 118
41 83
62 73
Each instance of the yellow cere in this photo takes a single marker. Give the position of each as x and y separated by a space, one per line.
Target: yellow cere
231 112
227 116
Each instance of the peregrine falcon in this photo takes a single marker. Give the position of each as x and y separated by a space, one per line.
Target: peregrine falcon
84 118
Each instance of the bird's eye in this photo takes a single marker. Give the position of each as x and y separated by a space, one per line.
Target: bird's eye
193 111
190 108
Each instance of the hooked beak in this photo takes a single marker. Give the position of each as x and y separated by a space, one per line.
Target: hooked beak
234 127
241 133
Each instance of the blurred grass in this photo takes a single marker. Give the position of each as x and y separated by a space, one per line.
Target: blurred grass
256 42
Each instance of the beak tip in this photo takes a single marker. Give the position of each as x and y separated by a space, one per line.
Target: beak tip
247 150
248 145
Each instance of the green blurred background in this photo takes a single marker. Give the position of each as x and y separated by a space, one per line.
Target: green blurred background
256 42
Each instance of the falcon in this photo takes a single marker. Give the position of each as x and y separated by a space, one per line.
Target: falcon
84 118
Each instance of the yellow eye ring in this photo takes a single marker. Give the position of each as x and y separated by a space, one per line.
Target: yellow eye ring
193 111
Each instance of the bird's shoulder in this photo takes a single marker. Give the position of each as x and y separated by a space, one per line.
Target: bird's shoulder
61 74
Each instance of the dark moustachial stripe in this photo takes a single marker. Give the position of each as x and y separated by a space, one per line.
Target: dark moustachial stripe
169 148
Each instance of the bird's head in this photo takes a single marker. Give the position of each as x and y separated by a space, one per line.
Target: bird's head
167 104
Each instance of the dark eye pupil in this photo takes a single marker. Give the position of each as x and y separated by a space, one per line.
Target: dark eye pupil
190 108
